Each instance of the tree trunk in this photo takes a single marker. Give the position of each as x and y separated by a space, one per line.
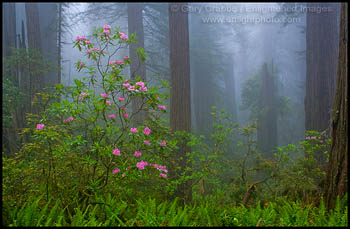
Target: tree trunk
25 80
204 99
34 43
321 60
180 92
267 121
9 43
137 67
337 178
230 90
59 42
48 28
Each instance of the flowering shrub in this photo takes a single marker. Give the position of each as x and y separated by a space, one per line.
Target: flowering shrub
89 136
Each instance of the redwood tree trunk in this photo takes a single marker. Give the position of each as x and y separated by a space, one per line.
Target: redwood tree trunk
59 42
267 121
230 90
337 178
34 43
137 67
180 92
9 42
321 60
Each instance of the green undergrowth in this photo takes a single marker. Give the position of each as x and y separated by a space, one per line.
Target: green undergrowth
149 212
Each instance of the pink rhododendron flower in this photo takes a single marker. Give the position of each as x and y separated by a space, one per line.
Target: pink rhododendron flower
147 130
123 36
81 64
104 95
96 49
126 57
111 115
163 175
144 89
123 175
88 42
116 171
321 141
40 126
116 152
140 84
119 62
307 137
137 154
161 107
123 108
69 119
80 38
88 51
111 62
101 51
121 98
106 26
132 88
80 98
125 115
108 102
141 165
147 143
83 93
163 143
126 85
133 130
106 31
313 137
126 80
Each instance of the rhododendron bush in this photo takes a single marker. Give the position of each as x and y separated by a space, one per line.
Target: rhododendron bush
87 138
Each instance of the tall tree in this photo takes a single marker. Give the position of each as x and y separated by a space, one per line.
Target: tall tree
35 44
321 68
230 89
205 66
9 44
59 45
137 67
180 92
48 29
337 176
267 118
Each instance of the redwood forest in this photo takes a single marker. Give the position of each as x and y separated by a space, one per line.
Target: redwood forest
162 114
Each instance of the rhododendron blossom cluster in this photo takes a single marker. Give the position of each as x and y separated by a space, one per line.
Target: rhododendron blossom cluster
69 119
116 152
123 36
141 165
161 107
147 131
104 95
137 154
40 126
80 38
